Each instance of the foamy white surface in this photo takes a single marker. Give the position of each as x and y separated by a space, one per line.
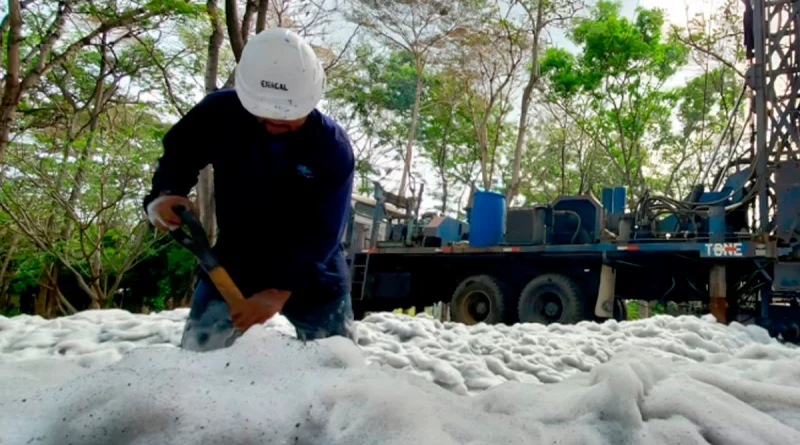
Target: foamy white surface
104 377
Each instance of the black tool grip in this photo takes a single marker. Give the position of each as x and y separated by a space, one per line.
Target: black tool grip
196 240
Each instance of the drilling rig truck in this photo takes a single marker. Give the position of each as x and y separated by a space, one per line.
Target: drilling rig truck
733 245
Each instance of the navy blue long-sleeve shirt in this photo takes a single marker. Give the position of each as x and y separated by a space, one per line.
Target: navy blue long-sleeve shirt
282 201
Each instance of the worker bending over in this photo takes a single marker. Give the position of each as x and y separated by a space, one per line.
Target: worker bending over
283 175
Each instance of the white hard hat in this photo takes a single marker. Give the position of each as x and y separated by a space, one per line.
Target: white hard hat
279 76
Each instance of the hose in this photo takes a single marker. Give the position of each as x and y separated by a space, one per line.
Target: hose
580 223
667 293
721 172
696 205
725 131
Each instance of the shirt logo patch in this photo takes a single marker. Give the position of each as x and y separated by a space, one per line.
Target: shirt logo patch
273 85
303 171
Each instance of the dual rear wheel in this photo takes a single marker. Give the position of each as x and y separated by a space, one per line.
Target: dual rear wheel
548 298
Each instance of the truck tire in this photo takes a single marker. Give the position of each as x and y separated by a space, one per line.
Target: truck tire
551 298
479 298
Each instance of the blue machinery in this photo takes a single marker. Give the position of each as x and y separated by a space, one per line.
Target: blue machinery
744 229
429 230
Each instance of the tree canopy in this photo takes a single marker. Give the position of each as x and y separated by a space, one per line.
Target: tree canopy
449 95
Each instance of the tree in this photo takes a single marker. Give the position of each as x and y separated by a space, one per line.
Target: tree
489 59
539 15
706 104
102 235
446 135
57 31
620 74
558 151
718 47
367 95
717 38
74 169
417 27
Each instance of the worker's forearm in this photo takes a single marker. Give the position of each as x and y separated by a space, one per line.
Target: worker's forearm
186 152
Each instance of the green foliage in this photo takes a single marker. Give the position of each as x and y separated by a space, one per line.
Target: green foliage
375 92
181 264
566 79
619 74
394 89
10 312
28 272
445 135
85 137
633 310
79 164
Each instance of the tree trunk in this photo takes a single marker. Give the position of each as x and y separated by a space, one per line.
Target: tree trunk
205 203
412 131
234 27
442 159
496 142
247 21
205 185
564 165
527 94
99 295
64 304
483 145
80 177
445 195
5 276
12 88
261 17
46 299
214 44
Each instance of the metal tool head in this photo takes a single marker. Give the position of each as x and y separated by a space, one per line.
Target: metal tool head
196 240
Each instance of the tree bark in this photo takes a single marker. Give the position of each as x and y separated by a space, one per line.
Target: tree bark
205 185
442 159
247 20
12 90
564 164
527 94
234 28
412 131
65 305
214 45
261 18
5 280
46 299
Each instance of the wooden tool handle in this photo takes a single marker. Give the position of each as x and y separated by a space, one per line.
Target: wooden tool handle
225 285
197 242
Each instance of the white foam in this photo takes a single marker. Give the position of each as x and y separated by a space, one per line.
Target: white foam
663 380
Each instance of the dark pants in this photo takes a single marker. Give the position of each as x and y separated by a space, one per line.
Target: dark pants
210 327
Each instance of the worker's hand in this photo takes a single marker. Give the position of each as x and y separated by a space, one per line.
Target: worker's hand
259 308
160 213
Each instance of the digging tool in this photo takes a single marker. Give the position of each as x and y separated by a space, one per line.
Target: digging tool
197 242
